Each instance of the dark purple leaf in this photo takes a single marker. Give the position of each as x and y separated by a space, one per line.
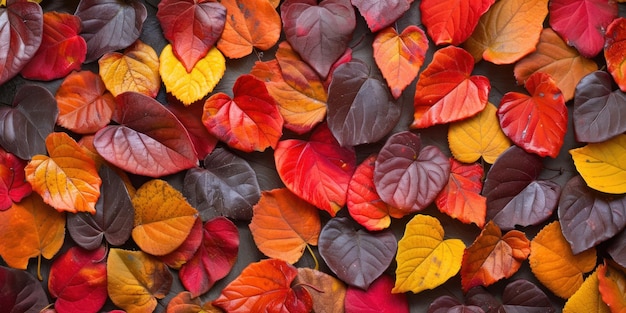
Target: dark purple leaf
522 296
360 108
407 175
599 111
533 205
226 186
25 126
589 217
114 216
442 304
479 296
381 13
20 292
21 29
110 25
356 256
617 248
320 33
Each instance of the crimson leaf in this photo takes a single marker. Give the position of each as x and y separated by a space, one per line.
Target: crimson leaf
20 292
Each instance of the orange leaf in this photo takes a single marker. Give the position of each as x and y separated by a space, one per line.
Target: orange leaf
553 56
400 56
137 69
553 263
612 286
163 218
67 179
492 256
84 104
615 43
461 197
508 31
587 298
333 291
249 23
283 225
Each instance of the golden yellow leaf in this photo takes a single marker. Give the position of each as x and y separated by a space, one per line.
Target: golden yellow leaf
137 69
587 298
189 87
603 164
425 259
554 264
478 136
163 218
508 31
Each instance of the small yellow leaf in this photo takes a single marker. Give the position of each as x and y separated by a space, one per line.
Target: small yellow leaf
603 165
425 259
587 298
137 69
189 87
478 136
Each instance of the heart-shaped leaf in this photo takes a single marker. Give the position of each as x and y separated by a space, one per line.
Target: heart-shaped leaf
377 298
13 184
21 27
359 107
615 37
330 292
423 241
602 164
587 298
381 13
452 21
21 292
191 118
612 286
533 205
355 255
518 296
461 198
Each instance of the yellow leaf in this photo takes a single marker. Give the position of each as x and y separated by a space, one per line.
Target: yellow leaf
587 298
67 179
508 31
137 69
425 259
193 86
554 264
163 218
478 136
603 165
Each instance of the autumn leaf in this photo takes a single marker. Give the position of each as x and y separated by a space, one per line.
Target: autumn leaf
587 298
508 31
21 291
615 40
177 258
184 302
191 118
478 136
446 92
400 56
249 24
425 259
381 13
612 286
67 179
518 296
602 165
329 292
13 184
461 198
377 298
21 25
452 21
283 225
617 250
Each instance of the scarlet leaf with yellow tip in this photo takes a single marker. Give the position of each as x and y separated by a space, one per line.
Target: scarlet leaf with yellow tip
163 218
508 31
283 225
461 198
615 43
400 56
587 298
452 21
425 259
553 56
67 179
189 87
553 263
85 105
13 184
612 286
135 280
492 256
136 69
603 165
446 92
329 291
249 24
478 136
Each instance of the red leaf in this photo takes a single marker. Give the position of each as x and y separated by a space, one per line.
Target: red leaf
191 117
446 92
376 299
317 170
452 21
21 24
615 44
62 50
187 249
381 13
13 184
461 197
192 27
250 121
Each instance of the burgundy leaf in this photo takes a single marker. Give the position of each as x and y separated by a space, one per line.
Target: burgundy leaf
443 304
20 292
191 117
381 13
523 296
533 205
376 299
13 184
617 249
479 296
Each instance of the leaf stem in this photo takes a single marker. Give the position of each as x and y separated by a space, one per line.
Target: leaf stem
39 268
317 264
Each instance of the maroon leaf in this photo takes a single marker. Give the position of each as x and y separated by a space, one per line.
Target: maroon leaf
448 304
479 296
318 32
25 126
589 217
191 117
617 249
524 296
381 13
21 292
360 108
407 175
21 28
533 205
13 184
376 299
110 25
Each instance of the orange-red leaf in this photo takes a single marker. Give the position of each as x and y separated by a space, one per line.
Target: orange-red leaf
13 184
452 21
461 198
612 286
615 44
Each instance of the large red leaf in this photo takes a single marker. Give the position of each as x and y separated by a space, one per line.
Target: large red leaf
582 22
381 13
192 27
317 170
538 122
318 32
446 92
615 43
13 185
250 121
452 21
21 28
62 50
149 141
461 197
376 299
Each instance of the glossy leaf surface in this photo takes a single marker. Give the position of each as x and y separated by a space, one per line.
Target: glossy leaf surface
21 292
382 13
452 21
461 198
377 298
615 41
13 184
136 69
21 26
602 165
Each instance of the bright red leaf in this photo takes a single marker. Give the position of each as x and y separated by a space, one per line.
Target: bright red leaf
452 21
446 92
461 198
538 122
615 43
376 299
13 184
381 13
21 28
612 286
